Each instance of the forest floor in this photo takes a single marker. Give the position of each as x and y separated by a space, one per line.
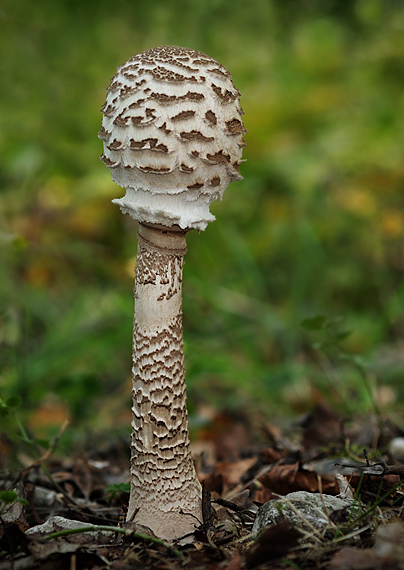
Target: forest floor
240 470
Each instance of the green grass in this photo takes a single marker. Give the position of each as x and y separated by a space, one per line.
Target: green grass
316 227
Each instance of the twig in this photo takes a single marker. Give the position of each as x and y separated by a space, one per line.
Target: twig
379 469
353 533
206 513
229 505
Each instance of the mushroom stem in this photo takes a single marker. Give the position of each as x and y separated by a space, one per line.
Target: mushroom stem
165 492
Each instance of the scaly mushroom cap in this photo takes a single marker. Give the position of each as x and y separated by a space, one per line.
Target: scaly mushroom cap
173 135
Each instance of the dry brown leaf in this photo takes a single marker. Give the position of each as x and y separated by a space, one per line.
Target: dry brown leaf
233 471
284 479
272 455
273 543
352 559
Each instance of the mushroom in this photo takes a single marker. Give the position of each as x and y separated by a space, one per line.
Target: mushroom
173 138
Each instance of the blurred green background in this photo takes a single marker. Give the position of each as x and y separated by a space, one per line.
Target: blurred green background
315 227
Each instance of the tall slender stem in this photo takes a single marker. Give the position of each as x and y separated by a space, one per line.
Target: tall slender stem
165 492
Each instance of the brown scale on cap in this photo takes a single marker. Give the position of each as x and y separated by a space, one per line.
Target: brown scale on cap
185 168
235 127
224 94
136 104
108 109
219 157
183 116
115 145
120 121
211 117
173 107
137 120
103 134
108 162
195 136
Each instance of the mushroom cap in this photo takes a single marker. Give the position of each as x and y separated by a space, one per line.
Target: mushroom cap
172 135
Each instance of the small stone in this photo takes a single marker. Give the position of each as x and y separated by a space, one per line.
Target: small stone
46 498
396 449
56 524
311 507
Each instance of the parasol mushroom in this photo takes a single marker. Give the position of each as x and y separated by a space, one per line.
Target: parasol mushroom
173 137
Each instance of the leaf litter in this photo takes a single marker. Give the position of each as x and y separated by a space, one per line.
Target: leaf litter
75 519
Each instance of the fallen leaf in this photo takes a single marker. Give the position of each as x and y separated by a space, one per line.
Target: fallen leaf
233 471
352 559
284 479
275 542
